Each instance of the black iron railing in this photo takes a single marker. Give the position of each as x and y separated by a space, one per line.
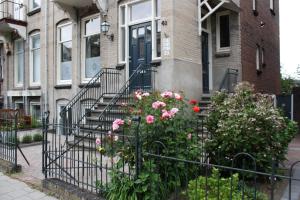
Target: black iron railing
107 81
8 137
230 80
12 10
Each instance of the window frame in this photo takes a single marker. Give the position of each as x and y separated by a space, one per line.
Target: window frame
154 19
31 50
83 45
59 42
258 58
220 49
272 6
31 6
16 68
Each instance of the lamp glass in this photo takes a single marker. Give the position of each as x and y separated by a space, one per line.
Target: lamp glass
105 27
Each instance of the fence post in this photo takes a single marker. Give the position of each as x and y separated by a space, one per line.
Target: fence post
273 179
45 142
15 139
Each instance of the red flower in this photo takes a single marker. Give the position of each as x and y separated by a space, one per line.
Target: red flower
196 109
193 102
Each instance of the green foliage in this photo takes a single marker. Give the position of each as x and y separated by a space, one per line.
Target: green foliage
27 139
35 123
173 136
247 122
216 187
37 137
147 186
287 85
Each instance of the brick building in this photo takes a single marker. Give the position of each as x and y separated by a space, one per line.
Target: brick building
50 49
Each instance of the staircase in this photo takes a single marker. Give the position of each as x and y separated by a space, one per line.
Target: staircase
97 121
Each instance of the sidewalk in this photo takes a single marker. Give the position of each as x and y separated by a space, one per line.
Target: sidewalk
11 189
294 156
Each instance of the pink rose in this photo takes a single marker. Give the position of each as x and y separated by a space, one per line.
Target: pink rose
98 141
174 111
166 114
150 119
167 94
119 122
115 127
158 104
177 96
146 94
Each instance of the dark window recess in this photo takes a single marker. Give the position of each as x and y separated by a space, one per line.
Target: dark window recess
224 31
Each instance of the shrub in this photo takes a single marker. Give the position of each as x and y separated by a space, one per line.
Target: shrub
215 187
247 122
37 137
27 139
168 126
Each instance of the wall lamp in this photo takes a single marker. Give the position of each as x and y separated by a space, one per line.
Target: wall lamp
105 28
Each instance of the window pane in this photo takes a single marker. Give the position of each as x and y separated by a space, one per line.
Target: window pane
36 65
20 67
35 41
36 4
158 38
141 10
66 33
92 61
122 15
19 46
92 26
224 31
123 44
158 8
66 51
65 71
36 112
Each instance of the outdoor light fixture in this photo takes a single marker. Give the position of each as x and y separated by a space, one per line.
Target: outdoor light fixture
105 28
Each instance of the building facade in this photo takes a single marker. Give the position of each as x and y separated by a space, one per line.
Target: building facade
49 49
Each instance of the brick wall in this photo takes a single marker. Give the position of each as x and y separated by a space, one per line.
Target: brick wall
267 37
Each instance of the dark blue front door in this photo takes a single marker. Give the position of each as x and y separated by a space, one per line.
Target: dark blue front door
205 63
140 52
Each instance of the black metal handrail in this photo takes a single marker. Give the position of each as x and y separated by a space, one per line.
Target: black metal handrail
107 81
230 80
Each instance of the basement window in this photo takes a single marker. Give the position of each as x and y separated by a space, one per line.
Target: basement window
223 31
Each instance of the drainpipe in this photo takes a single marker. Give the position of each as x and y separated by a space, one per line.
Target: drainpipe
46 58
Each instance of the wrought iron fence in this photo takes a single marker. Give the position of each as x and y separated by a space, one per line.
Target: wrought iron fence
8 136
12 10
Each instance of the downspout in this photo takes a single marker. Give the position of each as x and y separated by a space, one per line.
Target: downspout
46 103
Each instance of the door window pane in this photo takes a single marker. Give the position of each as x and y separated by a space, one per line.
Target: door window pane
36 66
92 61
141 10
66 61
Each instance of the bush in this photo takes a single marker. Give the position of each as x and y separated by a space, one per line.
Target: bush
168 126
27 139
37 137
215 187
247 122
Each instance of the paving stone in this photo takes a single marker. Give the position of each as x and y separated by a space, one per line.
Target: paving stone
11 189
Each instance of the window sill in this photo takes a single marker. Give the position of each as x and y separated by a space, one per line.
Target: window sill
65 86
82 85
120 66
221 54
34 88
272 12
34 12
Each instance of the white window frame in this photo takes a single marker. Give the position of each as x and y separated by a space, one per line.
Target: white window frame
58 53
33 103
16 67
19 102
31 5
129 23
31 50
83 44
218 39
272 5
